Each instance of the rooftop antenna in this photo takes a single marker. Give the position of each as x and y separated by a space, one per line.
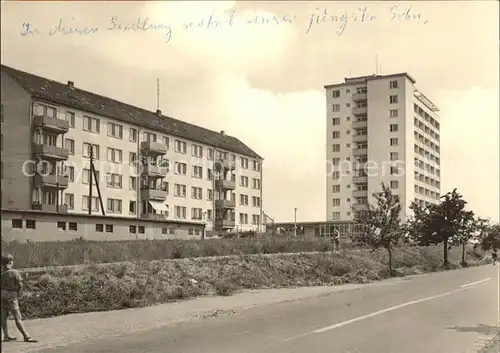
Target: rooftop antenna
376 64
157 94
350 72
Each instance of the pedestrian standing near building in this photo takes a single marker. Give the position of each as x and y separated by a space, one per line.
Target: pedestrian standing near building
494 256
12 284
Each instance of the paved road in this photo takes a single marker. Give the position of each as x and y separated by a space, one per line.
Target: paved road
448 312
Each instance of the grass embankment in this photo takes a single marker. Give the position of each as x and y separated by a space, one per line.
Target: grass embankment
116 286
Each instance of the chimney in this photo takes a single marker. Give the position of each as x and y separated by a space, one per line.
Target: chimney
222 132
158 112
71 84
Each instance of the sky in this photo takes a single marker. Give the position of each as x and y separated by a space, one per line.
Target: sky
256 70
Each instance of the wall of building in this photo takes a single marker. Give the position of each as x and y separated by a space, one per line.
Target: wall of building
48 227
127 192
16 144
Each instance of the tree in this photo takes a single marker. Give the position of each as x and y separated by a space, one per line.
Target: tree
469 225
380 224
490 239
441 223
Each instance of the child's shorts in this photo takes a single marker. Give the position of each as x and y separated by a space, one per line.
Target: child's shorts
10 305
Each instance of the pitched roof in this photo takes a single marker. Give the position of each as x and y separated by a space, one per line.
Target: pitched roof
64 94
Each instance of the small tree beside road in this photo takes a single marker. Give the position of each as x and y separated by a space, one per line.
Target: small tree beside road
445 223
380 224
490 238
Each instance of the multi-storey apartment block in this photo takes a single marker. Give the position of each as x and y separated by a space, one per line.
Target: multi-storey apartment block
380 129
148 166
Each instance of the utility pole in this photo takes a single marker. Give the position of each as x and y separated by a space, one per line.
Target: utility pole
57 189
94 174
295 221
91 154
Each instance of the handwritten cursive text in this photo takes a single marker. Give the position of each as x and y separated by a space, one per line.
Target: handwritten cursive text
140 25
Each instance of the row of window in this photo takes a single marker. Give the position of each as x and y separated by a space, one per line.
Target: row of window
363 89
427 130
426 167
394 184
393 99
424 191
99 228
427 180
115 130
423 114
425 141
426 154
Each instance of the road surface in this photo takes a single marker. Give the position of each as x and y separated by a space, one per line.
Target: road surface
447 312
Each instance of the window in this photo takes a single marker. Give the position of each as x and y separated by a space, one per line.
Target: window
197 172
335 161
210 194
394 141
99 228
149 136
336 216
132 183
336 134
61 225
244 163
196 213
244 181
70 118
335 188
85 203
180 168
336 108
109 228
243 218
17 223
180 190
132 158
70 173
132 207
243 200
30 224
114 180
45 110
141 229
180 212
114 205
336 202
393 99
115 130
164 186
180 146
394 184
69 200
256 184
196 150
132 229
256 166
393 127
114 155
70 145
196 193
210 174
73 226
394 170
336 148
336 175
87 175
255 201
393 113
335 93
91 124
164 231
393 156
166 141
393 84
132 134
210 153
335 121
87 147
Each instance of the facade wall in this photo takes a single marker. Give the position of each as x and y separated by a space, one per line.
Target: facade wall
39 227
16 144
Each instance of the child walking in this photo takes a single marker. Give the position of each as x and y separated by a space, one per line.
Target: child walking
12 283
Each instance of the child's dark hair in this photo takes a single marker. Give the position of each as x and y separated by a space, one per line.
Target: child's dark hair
6 259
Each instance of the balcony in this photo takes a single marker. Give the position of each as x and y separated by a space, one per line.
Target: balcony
51 124
225 223
357 97
51 181
153 216
224 163
225 184
153 194
224 204
360 206
359 179
359 110
155 171
360 137
359 151
359 124
360 193
51 152
49 208
154 148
